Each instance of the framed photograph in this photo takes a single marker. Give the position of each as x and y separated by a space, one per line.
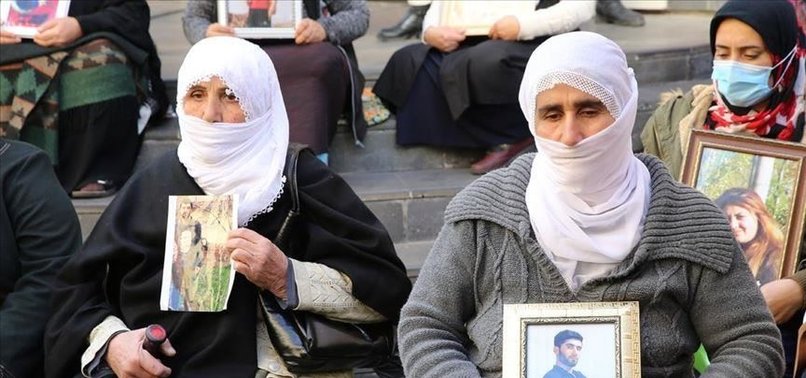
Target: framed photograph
476 17
261 19
197 274
760 185
22 17
592 339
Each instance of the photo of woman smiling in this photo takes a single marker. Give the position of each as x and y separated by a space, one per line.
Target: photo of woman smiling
756 231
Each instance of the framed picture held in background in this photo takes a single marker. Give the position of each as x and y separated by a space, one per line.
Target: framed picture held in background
760 185
22 17
261 19
590 339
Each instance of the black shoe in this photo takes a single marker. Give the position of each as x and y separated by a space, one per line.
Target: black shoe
409 26
613 12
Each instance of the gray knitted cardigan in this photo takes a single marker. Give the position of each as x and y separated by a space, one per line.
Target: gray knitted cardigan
687 273
349 20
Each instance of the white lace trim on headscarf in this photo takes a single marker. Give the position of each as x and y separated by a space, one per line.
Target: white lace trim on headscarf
586 203
245 159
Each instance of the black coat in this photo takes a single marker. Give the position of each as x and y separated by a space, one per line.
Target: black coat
335 229
39 231
501 70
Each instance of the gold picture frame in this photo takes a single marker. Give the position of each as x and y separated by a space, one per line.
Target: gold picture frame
724 166
279 21
610 329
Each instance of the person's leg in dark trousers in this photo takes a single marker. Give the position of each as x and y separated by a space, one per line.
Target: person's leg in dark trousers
98 142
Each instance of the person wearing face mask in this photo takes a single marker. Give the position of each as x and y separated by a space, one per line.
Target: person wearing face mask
759 89
234 130
758 83
586 220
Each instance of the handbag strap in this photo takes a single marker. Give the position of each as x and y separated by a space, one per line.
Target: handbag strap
291 178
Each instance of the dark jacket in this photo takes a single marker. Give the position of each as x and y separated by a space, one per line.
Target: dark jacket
335 229
39 230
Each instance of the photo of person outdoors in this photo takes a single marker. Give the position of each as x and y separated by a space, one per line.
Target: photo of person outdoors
756 231
199 268
756 196
260 13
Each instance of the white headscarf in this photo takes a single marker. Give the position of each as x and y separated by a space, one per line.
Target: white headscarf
245 159
586 203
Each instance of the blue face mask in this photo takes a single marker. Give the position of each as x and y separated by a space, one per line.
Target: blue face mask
745 84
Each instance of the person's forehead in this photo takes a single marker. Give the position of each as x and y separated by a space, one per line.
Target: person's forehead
563 90
573 342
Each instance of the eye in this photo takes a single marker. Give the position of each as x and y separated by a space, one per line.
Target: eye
551 116
590 112
196 94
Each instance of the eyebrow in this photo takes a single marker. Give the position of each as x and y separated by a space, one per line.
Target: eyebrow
745 47
201 87
588 103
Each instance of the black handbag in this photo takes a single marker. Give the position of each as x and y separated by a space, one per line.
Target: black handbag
310 343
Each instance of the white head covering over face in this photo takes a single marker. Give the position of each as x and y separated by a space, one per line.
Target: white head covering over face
245 159
587 202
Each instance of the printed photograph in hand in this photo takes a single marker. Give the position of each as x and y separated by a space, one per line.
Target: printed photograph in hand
22 17
260 18
197 273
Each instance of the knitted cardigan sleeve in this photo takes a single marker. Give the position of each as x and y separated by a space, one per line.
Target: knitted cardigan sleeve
432 323
734 325
349 21
199 14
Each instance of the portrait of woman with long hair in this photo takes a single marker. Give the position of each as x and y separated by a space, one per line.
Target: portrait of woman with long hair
755 229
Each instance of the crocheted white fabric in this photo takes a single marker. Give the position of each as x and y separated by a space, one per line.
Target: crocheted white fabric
245 159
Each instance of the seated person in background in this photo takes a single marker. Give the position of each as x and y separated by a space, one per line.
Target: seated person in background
234 141
758 83
94 80
318 72
459 91
759 90
39 231
585 220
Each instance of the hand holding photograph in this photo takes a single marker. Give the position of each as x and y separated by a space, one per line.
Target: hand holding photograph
197 273
548 340
258 19
22 17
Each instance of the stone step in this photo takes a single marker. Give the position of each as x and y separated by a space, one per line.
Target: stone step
410 204
380 152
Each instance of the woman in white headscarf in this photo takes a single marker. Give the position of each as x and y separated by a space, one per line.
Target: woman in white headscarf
585 220
234 141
